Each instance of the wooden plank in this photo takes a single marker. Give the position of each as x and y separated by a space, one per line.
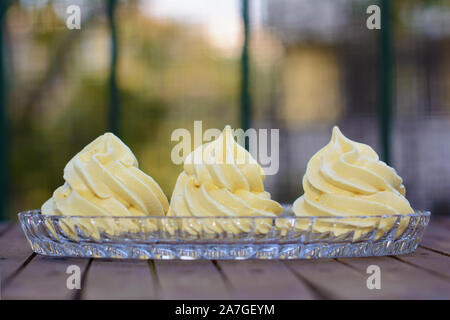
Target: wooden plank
260 279
190 280
119 279
444 222
3 227
14 251
403 281
333 280
428 260
437 237
43 278
441 222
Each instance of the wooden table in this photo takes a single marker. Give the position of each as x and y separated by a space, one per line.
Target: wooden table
423 274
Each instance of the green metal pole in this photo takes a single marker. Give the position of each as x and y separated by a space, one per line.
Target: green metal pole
246 107
114 104
4 132
385 104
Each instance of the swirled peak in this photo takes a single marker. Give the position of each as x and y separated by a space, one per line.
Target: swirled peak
103 179
221 178
226 164
346 178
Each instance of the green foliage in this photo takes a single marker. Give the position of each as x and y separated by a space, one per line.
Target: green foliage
168 76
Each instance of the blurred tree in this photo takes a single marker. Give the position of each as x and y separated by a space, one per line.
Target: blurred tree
168 75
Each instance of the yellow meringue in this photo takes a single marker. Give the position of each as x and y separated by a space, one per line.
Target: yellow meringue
103 179
347 179
221 179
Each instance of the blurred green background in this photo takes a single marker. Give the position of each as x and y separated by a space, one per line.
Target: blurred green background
144 68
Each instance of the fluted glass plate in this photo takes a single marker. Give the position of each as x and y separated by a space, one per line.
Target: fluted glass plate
229 238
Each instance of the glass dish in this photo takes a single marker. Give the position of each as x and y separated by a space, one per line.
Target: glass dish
232 238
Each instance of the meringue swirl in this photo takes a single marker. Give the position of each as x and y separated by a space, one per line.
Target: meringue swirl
103 179
221 179
345 179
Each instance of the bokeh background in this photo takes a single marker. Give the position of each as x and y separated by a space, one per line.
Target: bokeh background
144 68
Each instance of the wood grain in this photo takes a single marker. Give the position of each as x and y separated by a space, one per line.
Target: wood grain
403 281
425 274
190 280
259 279
332 279
437 237
14 251
119 279
43 278
428 260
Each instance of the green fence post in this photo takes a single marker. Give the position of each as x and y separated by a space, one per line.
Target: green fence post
4 132
245 90
114 104
385 85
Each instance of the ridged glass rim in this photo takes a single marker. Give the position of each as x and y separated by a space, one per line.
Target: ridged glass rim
417 213
192 238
